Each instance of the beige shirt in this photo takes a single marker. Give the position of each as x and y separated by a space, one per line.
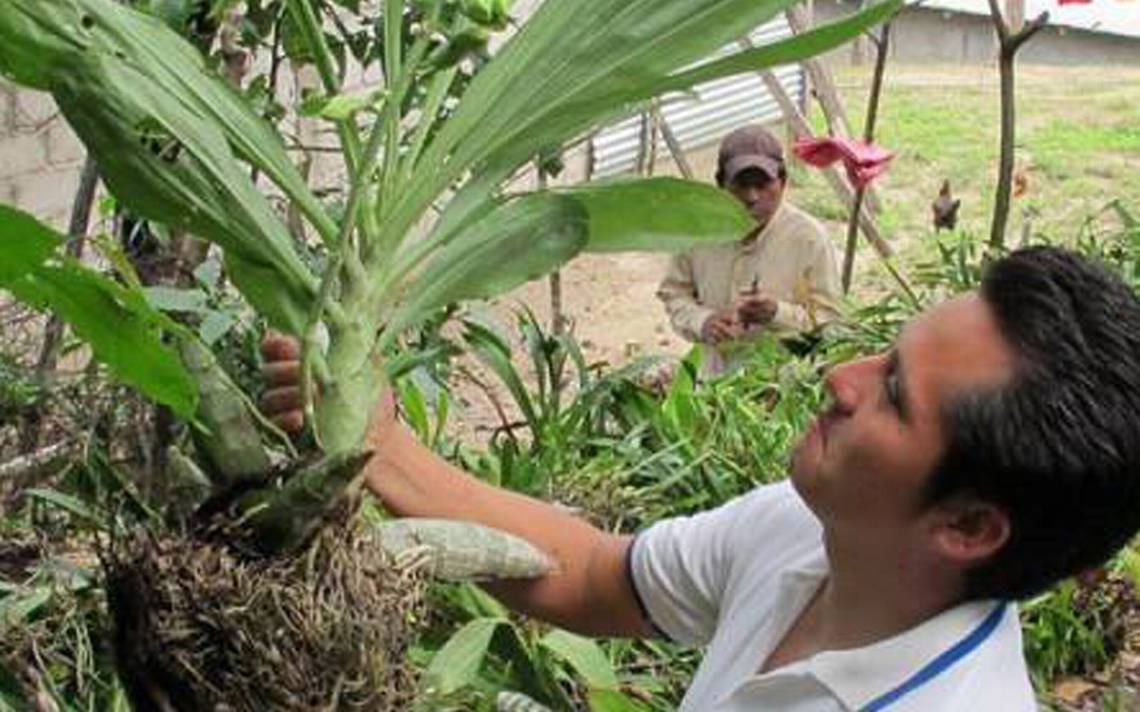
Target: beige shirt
791 259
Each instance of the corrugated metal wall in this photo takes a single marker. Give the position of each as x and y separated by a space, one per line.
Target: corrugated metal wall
705 115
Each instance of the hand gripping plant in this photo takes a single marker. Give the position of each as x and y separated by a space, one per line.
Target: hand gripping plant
175 143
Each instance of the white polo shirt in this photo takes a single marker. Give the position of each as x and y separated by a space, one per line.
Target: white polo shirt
735 579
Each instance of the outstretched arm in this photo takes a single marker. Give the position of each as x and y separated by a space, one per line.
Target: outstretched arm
590 591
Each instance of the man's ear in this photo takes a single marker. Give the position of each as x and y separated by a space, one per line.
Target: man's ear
969 531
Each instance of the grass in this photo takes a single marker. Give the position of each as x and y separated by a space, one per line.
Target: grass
1078 147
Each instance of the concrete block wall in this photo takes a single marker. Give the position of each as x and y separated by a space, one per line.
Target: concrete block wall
40 157
924 35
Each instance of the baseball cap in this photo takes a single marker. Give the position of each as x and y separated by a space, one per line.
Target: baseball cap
749 147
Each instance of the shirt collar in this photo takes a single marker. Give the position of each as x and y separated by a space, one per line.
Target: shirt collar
858 677
862 675
753 245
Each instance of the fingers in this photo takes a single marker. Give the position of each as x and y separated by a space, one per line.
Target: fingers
280 347
278 401
722 331
292 422
282 405
281 373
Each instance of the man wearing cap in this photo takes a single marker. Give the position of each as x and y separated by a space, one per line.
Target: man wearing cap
780 278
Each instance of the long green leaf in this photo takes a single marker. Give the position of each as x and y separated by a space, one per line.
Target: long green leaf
494 353
70 504
657 215
516 242
574 65
457 663
584 655
44 41
612 701
124 332
534 234
18 607
155 119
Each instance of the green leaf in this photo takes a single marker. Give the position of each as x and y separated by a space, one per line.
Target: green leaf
494 353
534 234
214 326
612 701
68 503
18 607
341 106
176 300
166 132
575 65
516 242
457 663
584 655
415 409
124 332
657 215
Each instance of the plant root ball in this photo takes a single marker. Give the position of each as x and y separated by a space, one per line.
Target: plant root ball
198 628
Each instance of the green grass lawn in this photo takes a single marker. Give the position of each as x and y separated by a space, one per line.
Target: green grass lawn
1078 145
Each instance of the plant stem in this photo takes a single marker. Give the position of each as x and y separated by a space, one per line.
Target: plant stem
1009 44
53 333
345 245
882 46
310 26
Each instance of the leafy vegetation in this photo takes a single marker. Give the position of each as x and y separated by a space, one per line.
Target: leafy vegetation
367 280
424 223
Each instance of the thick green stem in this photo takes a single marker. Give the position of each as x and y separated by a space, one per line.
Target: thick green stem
346 253
284 518
225 423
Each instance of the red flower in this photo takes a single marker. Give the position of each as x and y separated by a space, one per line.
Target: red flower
863 162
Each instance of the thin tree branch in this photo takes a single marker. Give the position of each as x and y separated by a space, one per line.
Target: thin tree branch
1009 44
53 332
1031 28
883 44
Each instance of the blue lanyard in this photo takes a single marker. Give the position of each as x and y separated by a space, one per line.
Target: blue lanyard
938 665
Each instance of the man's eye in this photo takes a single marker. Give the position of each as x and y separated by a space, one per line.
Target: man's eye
891 385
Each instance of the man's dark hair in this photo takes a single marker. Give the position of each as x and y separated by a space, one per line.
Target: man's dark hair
1058 449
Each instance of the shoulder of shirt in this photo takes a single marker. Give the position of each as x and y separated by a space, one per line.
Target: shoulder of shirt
778 506
800 221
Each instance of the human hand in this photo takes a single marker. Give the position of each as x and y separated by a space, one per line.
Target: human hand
756 309
283 404
720 326
281 369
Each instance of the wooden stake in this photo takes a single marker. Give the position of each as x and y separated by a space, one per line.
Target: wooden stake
53 332
671 141
557 318
834 177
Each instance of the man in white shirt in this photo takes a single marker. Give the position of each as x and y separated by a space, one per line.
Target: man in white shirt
780 278
992 452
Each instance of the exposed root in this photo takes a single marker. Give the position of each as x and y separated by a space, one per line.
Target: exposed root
200 629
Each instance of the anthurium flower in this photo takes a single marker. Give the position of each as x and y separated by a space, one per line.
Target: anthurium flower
863 162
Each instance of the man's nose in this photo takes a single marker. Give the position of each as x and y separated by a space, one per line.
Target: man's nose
750 195
846 382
